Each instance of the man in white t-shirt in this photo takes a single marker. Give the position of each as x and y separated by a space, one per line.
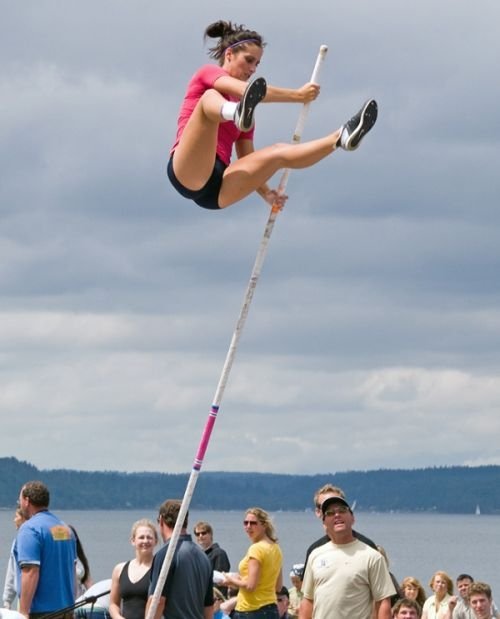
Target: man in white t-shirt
345 578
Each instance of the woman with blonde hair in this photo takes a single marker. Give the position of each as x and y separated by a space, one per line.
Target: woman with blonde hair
130 579
437 605
412 589
260 573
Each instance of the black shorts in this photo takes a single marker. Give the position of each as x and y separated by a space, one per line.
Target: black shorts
208 195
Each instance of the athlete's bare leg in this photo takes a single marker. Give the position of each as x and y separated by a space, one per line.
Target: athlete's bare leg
194 156
249 173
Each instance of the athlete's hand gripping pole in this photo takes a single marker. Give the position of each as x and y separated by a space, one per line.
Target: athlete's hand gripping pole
205 438
299 128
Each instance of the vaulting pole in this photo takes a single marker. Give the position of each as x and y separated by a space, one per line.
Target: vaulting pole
212 416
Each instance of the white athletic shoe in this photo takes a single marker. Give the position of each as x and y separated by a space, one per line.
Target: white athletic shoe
255 92
358 126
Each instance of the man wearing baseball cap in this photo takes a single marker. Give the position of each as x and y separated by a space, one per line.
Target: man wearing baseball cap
323 493
345 577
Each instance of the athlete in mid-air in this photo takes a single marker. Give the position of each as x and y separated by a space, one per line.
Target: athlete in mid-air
218 113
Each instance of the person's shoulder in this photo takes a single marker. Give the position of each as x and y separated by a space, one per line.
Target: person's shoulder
23 528
39 522
266 545
275 549
200 557
190 546
117 570
364 539
367 548
461 605
319 550
219 552
260 548
255 547
46 518
209 71
160 553
374 555
428 602
319 542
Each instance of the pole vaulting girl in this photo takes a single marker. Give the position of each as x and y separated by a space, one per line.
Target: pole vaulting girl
217 113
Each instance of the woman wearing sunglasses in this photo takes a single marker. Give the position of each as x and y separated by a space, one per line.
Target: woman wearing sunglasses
260 575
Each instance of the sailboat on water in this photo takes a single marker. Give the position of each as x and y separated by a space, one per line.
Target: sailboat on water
478 510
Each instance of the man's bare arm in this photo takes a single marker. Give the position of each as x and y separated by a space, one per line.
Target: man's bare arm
161 607
306 609
383 609
208 612
29 582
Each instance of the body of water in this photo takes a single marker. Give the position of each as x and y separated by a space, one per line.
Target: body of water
417 544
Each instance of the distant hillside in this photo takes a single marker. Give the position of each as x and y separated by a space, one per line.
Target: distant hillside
454 489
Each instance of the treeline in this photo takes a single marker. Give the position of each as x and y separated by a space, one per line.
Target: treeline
453 489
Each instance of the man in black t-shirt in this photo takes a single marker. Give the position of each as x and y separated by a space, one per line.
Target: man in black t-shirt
204 535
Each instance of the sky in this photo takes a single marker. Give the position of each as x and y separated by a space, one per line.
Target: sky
373 339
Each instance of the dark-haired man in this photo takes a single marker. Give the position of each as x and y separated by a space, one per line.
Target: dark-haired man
283 601
45 553
462 610
188 590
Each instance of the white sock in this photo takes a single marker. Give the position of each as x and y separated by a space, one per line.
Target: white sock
228 110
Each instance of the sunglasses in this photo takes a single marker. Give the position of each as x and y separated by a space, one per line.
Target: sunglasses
250 523
200 533
341 509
